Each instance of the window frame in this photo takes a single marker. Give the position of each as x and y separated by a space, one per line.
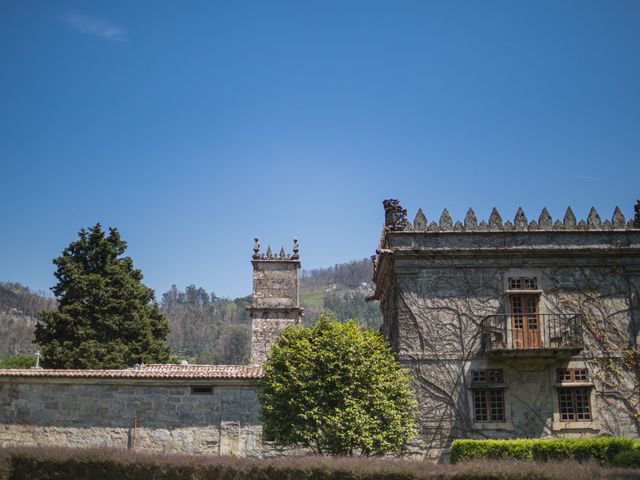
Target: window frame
487 391
574 390
491 400
575 411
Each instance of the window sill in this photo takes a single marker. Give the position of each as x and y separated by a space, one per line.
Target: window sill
573 384
484 386
523 291
560 426
492 425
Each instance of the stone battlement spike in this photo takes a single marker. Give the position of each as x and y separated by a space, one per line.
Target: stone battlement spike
445 221
520 220
269 252
470 220
617 220
495 220
420 222
569 220
282 253
545 221
593 220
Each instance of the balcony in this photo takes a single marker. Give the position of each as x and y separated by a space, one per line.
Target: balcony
533 334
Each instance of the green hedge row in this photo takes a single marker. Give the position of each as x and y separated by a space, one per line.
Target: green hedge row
604 450
61 464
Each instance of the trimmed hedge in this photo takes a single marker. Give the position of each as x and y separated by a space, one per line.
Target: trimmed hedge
602 450
104 464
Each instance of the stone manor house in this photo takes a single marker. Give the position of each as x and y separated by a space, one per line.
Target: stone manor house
509 330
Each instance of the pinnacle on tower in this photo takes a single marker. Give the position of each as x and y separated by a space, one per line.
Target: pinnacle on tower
296 249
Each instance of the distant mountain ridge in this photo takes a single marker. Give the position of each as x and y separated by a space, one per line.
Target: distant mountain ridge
206 328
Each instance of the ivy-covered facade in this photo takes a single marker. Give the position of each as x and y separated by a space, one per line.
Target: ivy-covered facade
514 329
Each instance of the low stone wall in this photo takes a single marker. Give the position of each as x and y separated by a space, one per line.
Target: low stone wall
158 415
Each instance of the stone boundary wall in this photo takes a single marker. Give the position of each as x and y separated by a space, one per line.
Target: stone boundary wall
157 415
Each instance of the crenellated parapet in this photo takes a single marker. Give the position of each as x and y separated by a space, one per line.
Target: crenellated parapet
494 238
396 221
281 256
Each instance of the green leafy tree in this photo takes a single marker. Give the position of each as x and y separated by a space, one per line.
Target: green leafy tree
106 317
337 389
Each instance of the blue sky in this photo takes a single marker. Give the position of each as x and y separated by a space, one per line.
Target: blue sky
194 126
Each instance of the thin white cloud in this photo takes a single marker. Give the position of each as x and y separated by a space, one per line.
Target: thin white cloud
94 26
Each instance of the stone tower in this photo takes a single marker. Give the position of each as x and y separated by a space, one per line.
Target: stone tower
275 297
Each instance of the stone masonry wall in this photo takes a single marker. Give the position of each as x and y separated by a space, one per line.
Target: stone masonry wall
169 417
440 338
438 285
275 298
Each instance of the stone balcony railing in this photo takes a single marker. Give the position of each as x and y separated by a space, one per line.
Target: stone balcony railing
528 334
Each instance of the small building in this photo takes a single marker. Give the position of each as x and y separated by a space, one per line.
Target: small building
514 329
210 409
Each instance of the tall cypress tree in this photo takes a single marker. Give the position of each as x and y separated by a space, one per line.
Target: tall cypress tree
106 317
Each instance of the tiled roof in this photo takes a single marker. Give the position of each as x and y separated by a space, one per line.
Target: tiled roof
147 371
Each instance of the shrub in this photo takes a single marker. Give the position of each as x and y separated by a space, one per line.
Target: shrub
599 449
105 464
627 459
336 388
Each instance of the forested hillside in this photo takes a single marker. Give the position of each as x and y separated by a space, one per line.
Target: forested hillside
19 310
206 328
341 289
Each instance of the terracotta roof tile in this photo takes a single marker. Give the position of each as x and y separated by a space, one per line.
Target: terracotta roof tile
147 371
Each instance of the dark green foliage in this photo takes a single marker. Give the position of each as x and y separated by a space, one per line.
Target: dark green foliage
206 328
352 304
627 459
104 464
106 317
18 361
600 449
341 291
336 388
